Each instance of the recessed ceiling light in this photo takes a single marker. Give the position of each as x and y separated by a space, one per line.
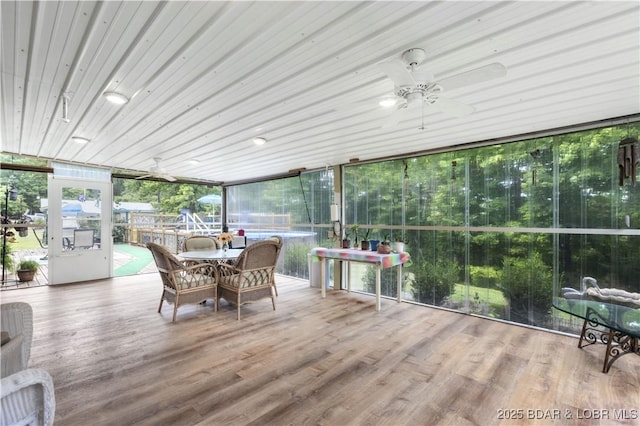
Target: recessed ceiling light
80 140
259 141
194 161
116 98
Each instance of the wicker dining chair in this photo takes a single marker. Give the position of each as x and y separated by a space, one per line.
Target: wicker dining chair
279 240
251 277
199 242
184 284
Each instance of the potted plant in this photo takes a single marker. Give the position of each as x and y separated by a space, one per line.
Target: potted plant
7 259
346 242
399 244
355 229
27 270
385 245
23 231
364 244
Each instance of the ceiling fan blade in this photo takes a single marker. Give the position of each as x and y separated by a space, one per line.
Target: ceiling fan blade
167 178
398 73
422 76
452 107
478 75
394 118
144 177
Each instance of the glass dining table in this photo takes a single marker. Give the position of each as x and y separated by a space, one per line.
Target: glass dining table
616 325
211 255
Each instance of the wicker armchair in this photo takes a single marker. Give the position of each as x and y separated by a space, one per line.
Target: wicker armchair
16 318
27 398
277 239
26 394
199 242
183 284
251 277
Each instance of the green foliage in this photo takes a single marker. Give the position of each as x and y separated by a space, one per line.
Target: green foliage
528 286
485 276
435 281
5 253
30 186
28 265
354 230
388 284
295 261
119 233
490 302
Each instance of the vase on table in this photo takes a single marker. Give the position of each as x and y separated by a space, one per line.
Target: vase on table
225 247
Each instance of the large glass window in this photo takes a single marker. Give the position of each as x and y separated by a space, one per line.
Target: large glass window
499 230
296 208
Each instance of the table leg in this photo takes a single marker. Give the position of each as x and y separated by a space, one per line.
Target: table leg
399 279
323 277
378 304
582 333
347 275
605 367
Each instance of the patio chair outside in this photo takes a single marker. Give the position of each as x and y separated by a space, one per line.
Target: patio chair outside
82 239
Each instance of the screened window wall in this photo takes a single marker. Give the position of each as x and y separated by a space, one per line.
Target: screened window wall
295 208
499 230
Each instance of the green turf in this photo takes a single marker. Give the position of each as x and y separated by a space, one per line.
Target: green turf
142 257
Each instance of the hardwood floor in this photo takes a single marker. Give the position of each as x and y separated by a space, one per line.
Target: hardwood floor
116 361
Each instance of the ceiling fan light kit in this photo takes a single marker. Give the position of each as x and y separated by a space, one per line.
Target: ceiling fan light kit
116 98
415 86
388 102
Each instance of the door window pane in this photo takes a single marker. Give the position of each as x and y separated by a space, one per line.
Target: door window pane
81 218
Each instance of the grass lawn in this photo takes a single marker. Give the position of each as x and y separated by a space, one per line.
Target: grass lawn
25 243
485 296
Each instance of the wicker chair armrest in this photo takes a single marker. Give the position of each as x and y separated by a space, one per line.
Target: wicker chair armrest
227 270
193 276
21 397
11 356
17 318
202 268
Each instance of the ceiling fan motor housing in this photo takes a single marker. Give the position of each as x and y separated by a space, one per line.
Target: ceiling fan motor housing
414 57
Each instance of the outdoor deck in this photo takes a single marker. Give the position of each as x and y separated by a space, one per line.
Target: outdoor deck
127 260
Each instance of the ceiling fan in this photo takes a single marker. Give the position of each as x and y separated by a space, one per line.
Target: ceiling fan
157 171
415 86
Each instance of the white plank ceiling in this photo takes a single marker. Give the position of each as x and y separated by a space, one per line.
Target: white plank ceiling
204 78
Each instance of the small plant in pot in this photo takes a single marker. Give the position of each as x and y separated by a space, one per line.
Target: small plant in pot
26 270
346 242
23 231
385 245
400 243
364 244
354 230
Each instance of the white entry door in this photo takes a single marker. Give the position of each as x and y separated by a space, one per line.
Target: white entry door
79 230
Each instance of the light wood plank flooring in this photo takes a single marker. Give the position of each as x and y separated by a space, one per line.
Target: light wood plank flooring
116 361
